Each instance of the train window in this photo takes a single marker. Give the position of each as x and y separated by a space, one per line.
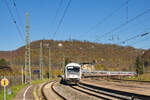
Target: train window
73 69
70 67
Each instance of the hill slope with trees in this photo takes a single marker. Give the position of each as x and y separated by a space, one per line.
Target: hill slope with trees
107 55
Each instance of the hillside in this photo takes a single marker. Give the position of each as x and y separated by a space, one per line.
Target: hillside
111 56
146 58
5 54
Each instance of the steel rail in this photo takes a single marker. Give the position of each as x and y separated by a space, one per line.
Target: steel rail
91 94
53 89
42 91
117 92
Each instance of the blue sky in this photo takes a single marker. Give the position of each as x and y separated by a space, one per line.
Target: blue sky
80 17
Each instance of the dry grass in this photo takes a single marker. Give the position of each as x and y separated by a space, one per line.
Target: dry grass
144 77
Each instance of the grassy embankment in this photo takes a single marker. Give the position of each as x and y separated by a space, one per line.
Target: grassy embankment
144 77
16 89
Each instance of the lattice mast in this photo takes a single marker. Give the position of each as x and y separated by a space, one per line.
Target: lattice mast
41 60
27 52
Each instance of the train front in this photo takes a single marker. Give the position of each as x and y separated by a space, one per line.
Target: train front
72 73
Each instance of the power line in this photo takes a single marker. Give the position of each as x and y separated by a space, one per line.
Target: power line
106 18
18 15
141 24
125 23
139 41
59 6
62 18
127 10
139 35
14 21
135 42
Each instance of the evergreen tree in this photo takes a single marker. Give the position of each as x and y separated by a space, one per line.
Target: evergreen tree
67 60
139 66
3 62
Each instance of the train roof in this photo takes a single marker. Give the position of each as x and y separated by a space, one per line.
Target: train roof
73 64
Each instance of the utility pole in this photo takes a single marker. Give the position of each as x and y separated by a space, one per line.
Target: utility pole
41 60
27 52
63 65
22 75
143 64
50 63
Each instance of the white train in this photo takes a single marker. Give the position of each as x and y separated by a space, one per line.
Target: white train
72 73
107 73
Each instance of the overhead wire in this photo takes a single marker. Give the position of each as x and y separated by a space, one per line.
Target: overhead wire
18 15
105 18
14 21
123 24
138 41
134 37
141 24
62 18
58 9
139 35
127 10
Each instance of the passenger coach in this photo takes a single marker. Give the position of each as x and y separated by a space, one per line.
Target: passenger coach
72 73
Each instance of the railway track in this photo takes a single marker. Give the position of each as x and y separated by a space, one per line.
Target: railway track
62 97
108 94
42 91
92 90
93 93
51 94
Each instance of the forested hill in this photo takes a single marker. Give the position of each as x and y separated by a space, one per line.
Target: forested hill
146 58
5 54
107 55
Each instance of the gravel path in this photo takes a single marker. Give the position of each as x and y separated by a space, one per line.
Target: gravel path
25 94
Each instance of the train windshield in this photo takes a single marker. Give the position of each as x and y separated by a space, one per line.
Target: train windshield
73 69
